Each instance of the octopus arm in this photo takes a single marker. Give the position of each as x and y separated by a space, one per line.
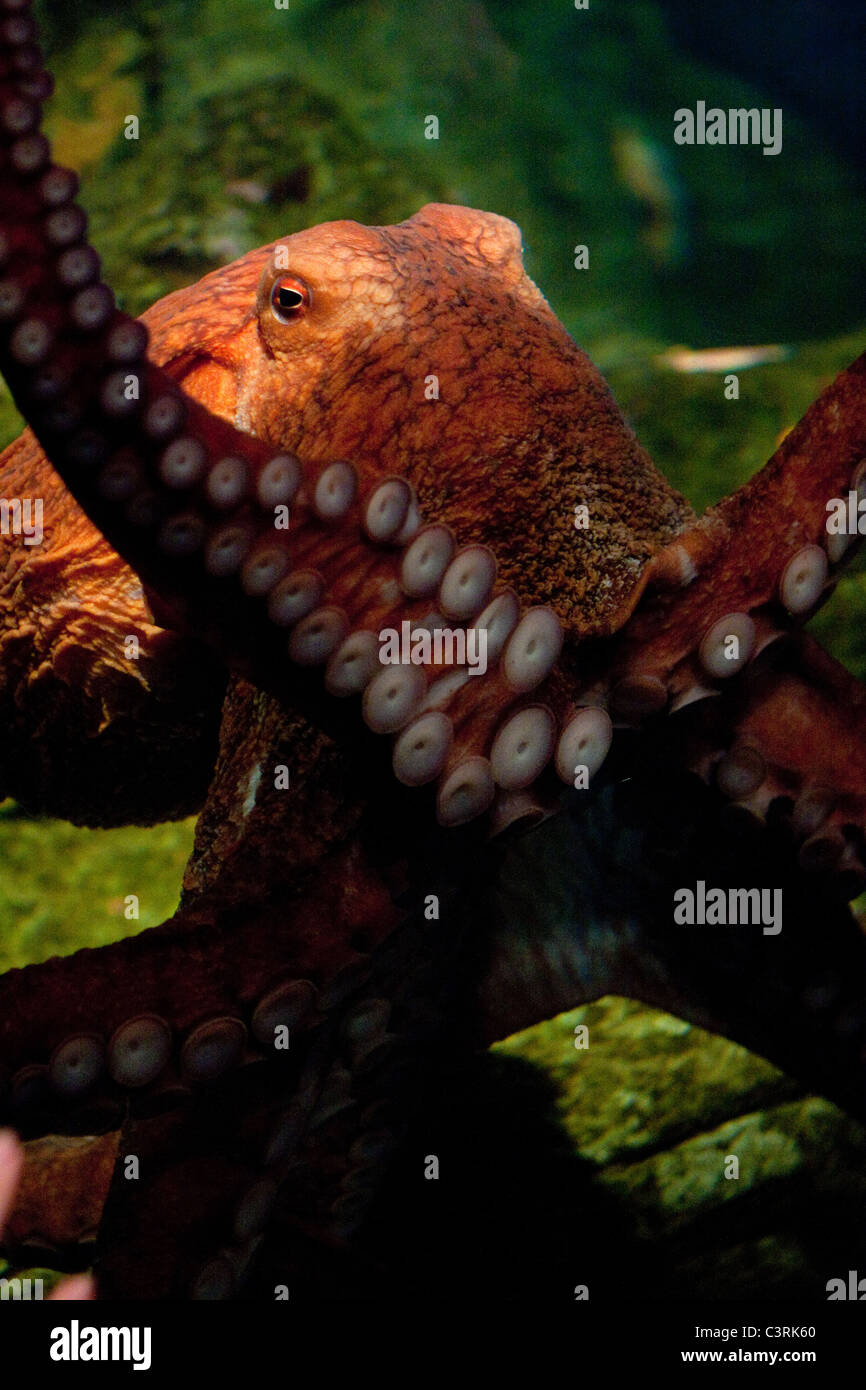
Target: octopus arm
108 718
61 1196
583 906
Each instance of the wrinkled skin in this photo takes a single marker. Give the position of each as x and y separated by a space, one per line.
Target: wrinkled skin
523 421
257 1166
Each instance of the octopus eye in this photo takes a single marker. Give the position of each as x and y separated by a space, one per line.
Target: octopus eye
290 298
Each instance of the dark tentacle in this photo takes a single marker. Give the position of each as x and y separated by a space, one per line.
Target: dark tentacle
583 906
107 719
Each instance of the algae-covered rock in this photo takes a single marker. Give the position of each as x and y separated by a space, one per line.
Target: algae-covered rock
62 887
660 1108
645 1080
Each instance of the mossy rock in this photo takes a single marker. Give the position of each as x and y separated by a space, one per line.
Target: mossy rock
63 887
659 1107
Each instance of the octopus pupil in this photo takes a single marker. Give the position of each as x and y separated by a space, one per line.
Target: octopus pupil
290 299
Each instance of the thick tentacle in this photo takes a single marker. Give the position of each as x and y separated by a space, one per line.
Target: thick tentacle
219 1112
584 905
184 1002
759 562
107 718
60 1199
720 616
200 511
788 745
290 1156
81 1034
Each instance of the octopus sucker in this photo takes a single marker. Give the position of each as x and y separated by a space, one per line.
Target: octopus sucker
459 855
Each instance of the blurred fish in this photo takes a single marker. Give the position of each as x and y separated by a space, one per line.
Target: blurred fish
727 359
250 190
647 171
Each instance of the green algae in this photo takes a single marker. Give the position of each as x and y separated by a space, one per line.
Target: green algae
646 1081
62 887
657 1107
50 1277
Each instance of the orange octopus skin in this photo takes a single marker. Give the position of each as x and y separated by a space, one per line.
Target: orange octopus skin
523 427
517 430
507 449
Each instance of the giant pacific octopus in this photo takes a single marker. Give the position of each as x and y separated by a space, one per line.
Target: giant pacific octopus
392 862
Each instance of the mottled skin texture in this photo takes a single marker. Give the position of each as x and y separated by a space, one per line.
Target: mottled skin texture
441 294
296 889
524 425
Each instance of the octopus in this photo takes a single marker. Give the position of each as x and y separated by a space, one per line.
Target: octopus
351 432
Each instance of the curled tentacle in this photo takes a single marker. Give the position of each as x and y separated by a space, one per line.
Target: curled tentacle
191 502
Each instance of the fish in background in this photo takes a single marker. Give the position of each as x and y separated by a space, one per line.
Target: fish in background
647 170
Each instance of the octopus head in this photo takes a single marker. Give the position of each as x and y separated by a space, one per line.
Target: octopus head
425 350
